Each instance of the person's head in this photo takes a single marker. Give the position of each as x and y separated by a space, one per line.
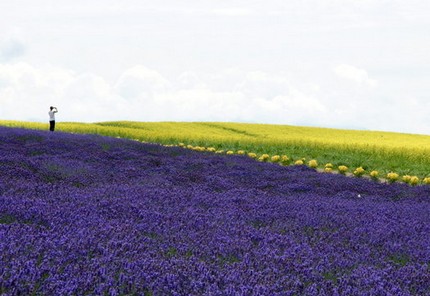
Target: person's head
51 108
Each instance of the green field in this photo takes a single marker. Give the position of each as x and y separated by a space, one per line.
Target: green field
405 154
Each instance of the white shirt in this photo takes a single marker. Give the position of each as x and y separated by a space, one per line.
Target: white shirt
52 114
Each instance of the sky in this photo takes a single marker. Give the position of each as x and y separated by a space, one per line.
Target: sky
350 64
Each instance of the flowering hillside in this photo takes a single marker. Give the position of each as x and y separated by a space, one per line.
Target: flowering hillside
383 152
91 215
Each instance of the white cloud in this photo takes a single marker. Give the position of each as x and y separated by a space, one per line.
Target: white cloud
24 90
354 74
140 80
201 104
295 108
262 84
190 79
87 88
143 94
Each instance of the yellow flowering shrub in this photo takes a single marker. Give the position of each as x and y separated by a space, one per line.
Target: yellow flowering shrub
358 172
241 152
392 177
285 160
252 155
342 169
219 151
275 158
374 174
264 157
230 152
313 164
406 179
299 162
426 180
414 180
329 165
211 149
328 169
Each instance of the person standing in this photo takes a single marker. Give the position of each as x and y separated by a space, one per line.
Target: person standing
52 111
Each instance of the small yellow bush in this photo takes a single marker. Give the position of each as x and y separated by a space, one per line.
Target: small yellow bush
392 177
342 169
264 157
359 172
275 158
285 160
406 179
374 174
313 164
414 180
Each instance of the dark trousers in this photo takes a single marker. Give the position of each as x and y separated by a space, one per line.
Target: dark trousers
52 125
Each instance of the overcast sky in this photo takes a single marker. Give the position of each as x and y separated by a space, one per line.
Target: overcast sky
361 64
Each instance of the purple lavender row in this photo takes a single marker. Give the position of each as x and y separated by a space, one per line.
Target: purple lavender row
91 215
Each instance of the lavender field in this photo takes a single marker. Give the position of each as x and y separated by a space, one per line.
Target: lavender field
91 215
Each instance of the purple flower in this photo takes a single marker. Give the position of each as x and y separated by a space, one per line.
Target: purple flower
85 214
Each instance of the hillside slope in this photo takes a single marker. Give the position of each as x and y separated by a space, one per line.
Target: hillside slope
85 214
385 152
